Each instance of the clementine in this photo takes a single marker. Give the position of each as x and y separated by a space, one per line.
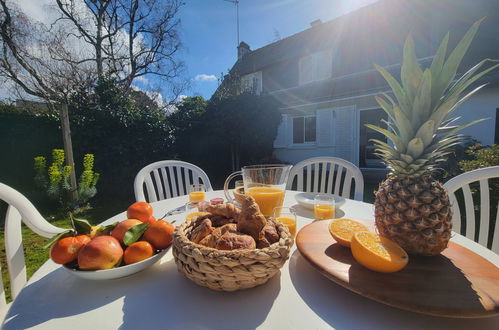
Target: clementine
84 239
159 234
138 251
66 249
151 219
139 210
122 227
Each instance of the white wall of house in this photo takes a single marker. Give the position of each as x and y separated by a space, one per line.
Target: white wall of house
481 105
336 136
337 129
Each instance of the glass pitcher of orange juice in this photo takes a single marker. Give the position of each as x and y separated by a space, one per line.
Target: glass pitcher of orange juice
265 183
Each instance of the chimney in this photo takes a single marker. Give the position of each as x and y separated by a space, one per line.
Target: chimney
242 50
315 23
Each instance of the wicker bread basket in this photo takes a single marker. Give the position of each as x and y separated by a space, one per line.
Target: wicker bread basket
228 270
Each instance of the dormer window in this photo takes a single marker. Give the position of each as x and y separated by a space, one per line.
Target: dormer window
315 67
252 82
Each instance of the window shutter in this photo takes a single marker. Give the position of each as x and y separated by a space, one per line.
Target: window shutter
325 127
281 138
344 131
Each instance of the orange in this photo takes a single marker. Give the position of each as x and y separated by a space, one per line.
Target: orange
159 234
139 210
122 227
378 253
66 249
342 230
151 219
84 239
138 251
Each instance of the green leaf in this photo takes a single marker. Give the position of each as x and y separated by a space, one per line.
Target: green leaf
422 101
55 238
134 233
410 73
405 130
415 147
385 106
454 60
396 88
81 226
425 132
395 139
407 158
106 230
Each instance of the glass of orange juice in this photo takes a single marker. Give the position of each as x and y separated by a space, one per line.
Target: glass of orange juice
286 216
324 207
196 193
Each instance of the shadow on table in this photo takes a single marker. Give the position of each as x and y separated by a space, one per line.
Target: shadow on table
181 304
343 309
36 305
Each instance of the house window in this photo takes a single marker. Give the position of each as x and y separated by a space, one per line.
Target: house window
304 129
315 67
252 82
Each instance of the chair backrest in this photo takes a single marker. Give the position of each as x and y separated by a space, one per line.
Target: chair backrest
168 179
20 209
462 181
329 175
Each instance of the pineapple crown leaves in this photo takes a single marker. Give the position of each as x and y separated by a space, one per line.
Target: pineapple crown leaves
423 100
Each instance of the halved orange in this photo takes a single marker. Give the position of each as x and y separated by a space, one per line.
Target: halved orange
378 253
342 230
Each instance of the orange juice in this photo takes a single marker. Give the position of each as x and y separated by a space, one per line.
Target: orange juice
323 212
290 223
196 196
267 198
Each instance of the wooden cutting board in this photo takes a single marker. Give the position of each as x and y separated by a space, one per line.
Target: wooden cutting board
458 283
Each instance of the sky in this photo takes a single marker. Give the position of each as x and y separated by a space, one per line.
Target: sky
209 36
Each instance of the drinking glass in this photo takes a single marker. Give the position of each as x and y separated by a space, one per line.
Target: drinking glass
196 193
286 216
324 207
265 183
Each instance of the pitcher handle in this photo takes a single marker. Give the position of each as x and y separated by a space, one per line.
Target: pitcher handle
230 199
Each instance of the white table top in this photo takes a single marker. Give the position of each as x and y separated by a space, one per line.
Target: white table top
160 297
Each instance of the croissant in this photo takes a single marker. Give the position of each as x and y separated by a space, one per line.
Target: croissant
250 221
227 210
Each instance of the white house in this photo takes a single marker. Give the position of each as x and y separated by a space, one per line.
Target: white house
325 80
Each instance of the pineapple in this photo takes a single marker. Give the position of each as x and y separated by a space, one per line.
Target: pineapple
411 207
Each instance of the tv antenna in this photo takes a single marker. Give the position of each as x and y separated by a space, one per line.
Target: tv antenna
236 2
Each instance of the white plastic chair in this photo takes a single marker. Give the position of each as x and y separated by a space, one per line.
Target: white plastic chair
463 181
167 179
329 175
19 209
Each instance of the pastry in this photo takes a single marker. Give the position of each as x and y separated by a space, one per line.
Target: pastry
203 229
235 240
270 235
226 210
250 221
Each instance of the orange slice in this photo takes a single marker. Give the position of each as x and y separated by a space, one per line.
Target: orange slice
378 253
342 230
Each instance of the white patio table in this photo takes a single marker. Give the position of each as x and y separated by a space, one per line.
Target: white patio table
161 298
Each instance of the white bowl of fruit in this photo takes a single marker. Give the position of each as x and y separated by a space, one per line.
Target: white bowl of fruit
107 252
